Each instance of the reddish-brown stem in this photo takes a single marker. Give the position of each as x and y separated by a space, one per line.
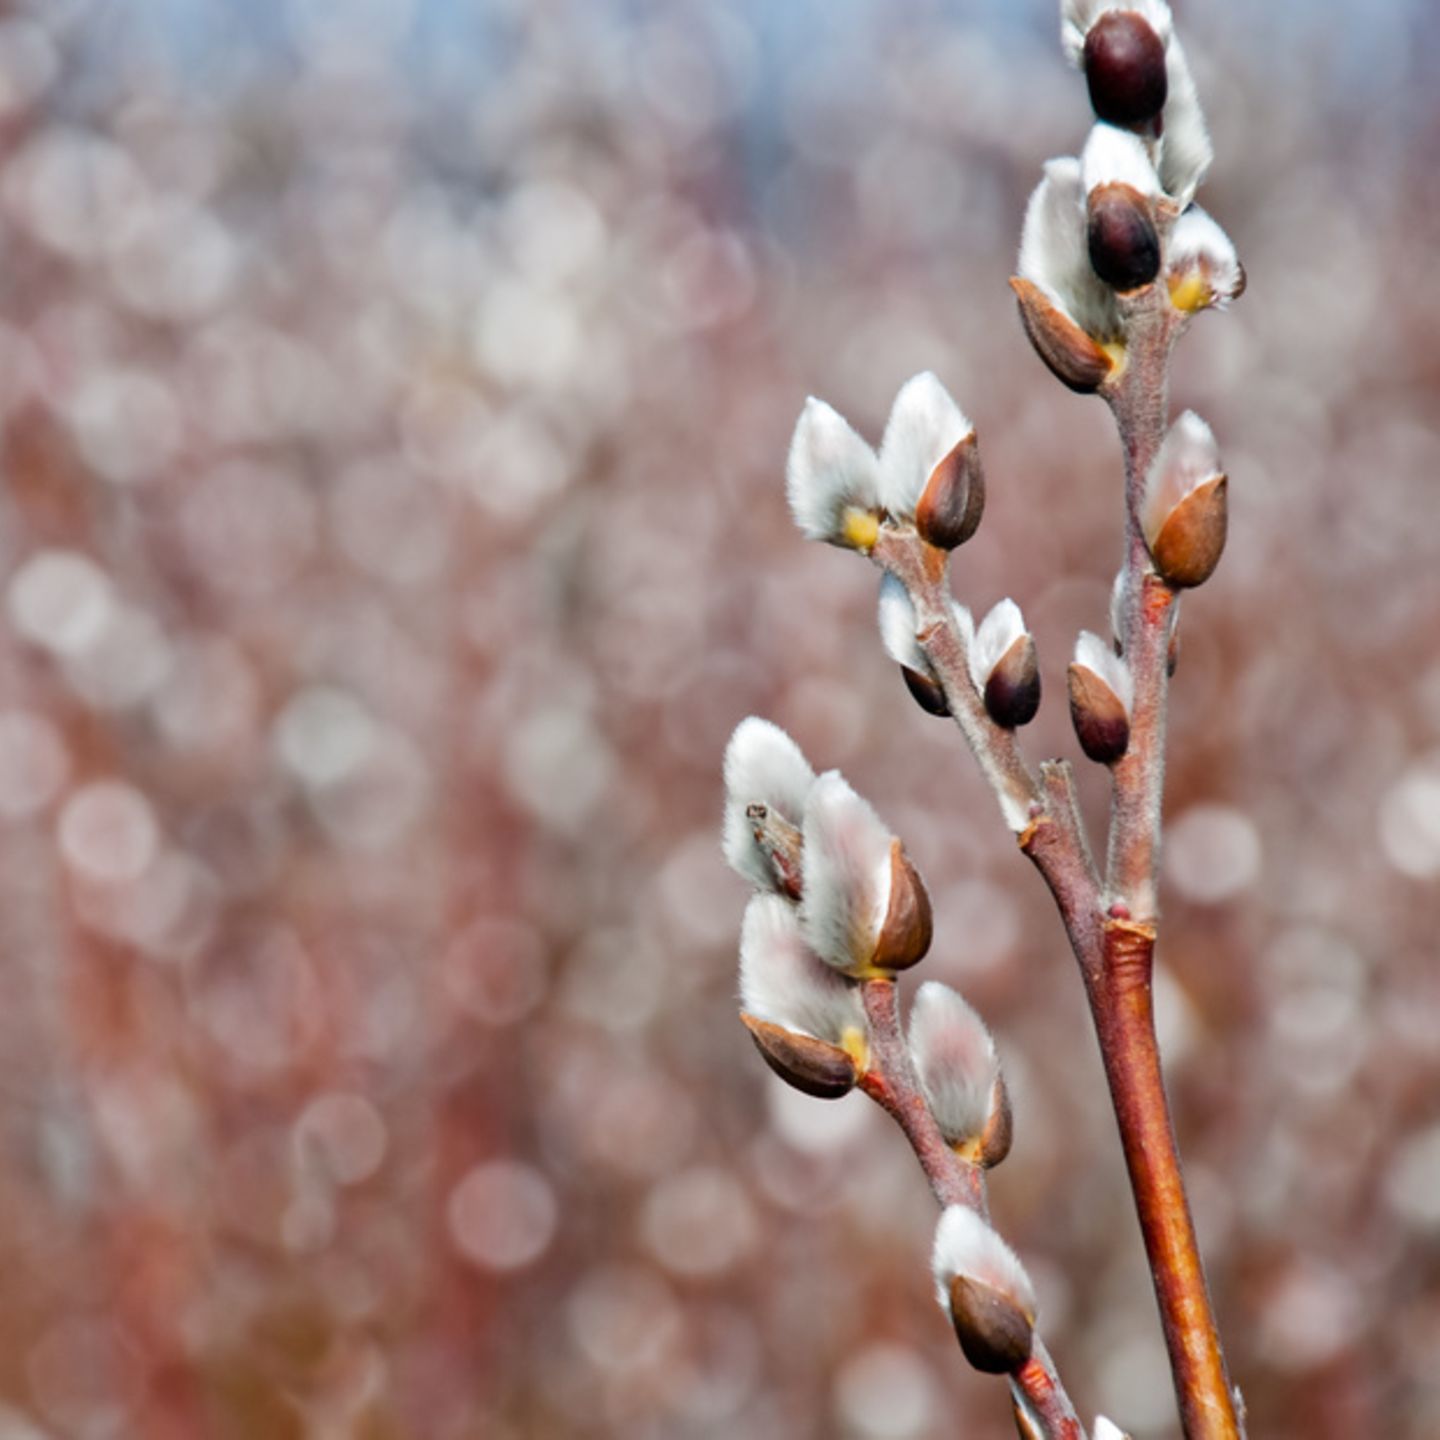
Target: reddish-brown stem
890 1080
1121 1003
1139 401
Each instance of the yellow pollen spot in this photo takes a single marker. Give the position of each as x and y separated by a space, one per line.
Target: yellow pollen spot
1116 353
855 1045
1190 292
860 529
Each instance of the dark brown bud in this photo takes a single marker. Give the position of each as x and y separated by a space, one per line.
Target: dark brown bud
1190 540
994 1332
814 1066
954 497
1074 357
1124 245
999 1131
1012 689
909 926
927 692
1125 69
1102 724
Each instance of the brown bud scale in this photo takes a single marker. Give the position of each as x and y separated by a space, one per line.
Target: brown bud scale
1192 538
1125 69
1012 689
909 926
1101 724
994 1332
814 1066
1073 356
927 693
954 497
1124 244
999 1132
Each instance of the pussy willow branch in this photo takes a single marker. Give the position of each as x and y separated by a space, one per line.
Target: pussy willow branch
890 1081
1111 930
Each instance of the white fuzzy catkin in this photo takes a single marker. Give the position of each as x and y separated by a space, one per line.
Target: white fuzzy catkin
763 766
1198 242
1093 654
1055 254
1187 458
783 981
1185 148
898 624
1117 608
998 631
925 425
1077 17
847 874
966 1245
955 1058
1117 157
829 471
1107 1430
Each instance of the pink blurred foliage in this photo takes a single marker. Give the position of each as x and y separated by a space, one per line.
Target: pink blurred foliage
393 532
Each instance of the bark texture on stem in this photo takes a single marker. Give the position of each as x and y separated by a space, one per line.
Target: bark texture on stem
923 570
1122 1005
1140 400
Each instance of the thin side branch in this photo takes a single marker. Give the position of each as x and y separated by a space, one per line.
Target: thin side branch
892 1083
923 571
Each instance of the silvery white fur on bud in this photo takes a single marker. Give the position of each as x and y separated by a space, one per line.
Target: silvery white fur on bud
1184 152
763 766
1077 16
997 632
955 1058
1201 265
848 871
832 479
1185 148
1117 157
1004 667
1184 509
1117 611
925 425
1187 458
1107 1430
1054 251
898 625
966 1246
984 1289
783 981
1095 655
1101 697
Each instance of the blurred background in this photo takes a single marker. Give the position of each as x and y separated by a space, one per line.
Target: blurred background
394 397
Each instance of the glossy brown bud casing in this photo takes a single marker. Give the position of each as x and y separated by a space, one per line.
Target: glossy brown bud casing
1125 68
1189 543
954 497
909 925
1124 244
1012 688
994 1332
1074 357
927 692
1102 724
810 1065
